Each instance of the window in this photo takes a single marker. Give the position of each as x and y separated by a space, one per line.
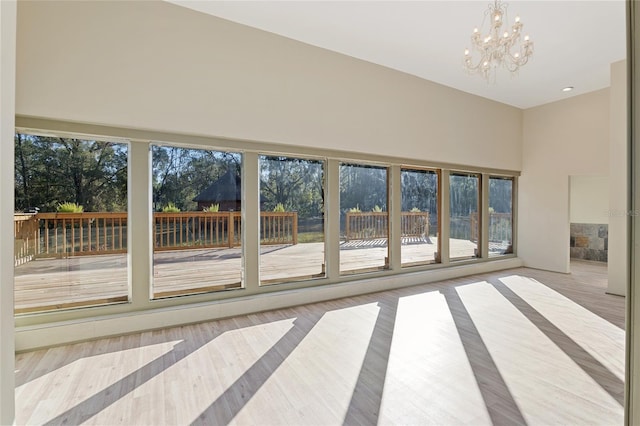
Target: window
291 219
500 216
196 221
364 218
70 223
464 221
419 217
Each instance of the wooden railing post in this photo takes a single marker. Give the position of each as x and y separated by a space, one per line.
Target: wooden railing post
427 224
347 230
25 241
231 224
295 228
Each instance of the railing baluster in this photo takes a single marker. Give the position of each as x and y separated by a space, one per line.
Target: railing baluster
81 248
64 236
230 227
72 224
193 230
89 242
97 234
295 228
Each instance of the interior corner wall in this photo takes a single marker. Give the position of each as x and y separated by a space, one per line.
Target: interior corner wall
7 124
560 139
162 67
618 263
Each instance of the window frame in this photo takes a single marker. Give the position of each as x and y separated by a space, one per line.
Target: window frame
438 173
139 196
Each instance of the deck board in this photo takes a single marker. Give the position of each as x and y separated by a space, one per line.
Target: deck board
45 284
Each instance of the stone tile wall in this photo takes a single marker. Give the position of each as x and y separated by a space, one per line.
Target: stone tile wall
589 241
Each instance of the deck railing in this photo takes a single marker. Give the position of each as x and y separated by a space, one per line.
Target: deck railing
500 226
415 224
76 234
373 225
25 242
278 228
174 231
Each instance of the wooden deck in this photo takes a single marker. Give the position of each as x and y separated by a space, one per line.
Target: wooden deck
514 347
48 284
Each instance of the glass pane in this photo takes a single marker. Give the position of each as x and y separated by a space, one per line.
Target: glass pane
196 221
464 221
291 219
419 220
70 225
364 219
500 216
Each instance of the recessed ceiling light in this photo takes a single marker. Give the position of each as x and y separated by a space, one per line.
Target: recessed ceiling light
567 89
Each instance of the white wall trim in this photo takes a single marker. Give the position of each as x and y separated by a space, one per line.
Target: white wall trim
8 13
632 360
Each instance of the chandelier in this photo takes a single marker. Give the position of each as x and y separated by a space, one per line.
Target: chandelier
499 47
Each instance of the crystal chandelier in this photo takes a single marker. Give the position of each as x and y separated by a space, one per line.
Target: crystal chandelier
500 47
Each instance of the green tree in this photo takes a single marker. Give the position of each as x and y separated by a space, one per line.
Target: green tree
501 194
363 186
50 171
180 174
297 184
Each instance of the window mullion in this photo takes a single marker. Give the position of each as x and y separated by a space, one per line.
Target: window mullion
444 219
140 229
251 221
332 219
395 213
483 217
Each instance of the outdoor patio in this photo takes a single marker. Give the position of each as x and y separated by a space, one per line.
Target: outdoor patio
58 283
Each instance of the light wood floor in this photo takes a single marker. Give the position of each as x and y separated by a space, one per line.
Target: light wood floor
517 347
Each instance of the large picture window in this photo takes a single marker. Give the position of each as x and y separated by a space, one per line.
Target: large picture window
197 225
464 221
364 218
419 216
73 224
291 219
70 223
500 216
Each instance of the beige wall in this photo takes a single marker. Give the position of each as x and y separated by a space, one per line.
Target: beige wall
154 65
560 139
589 199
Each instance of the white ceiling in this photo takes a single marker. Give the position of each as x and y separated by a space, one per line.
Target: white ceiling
575 41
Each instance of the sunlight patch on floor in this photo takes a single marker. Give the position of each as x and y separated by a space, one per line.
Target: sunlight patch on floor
542 379
603 340
427 361
315 383
94 370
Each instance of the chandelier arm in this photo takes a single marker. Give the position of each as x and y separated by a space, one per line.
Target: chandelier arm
499 47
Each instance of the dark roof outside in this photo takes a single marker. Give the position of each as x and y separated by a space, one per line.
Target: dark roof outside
226 188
